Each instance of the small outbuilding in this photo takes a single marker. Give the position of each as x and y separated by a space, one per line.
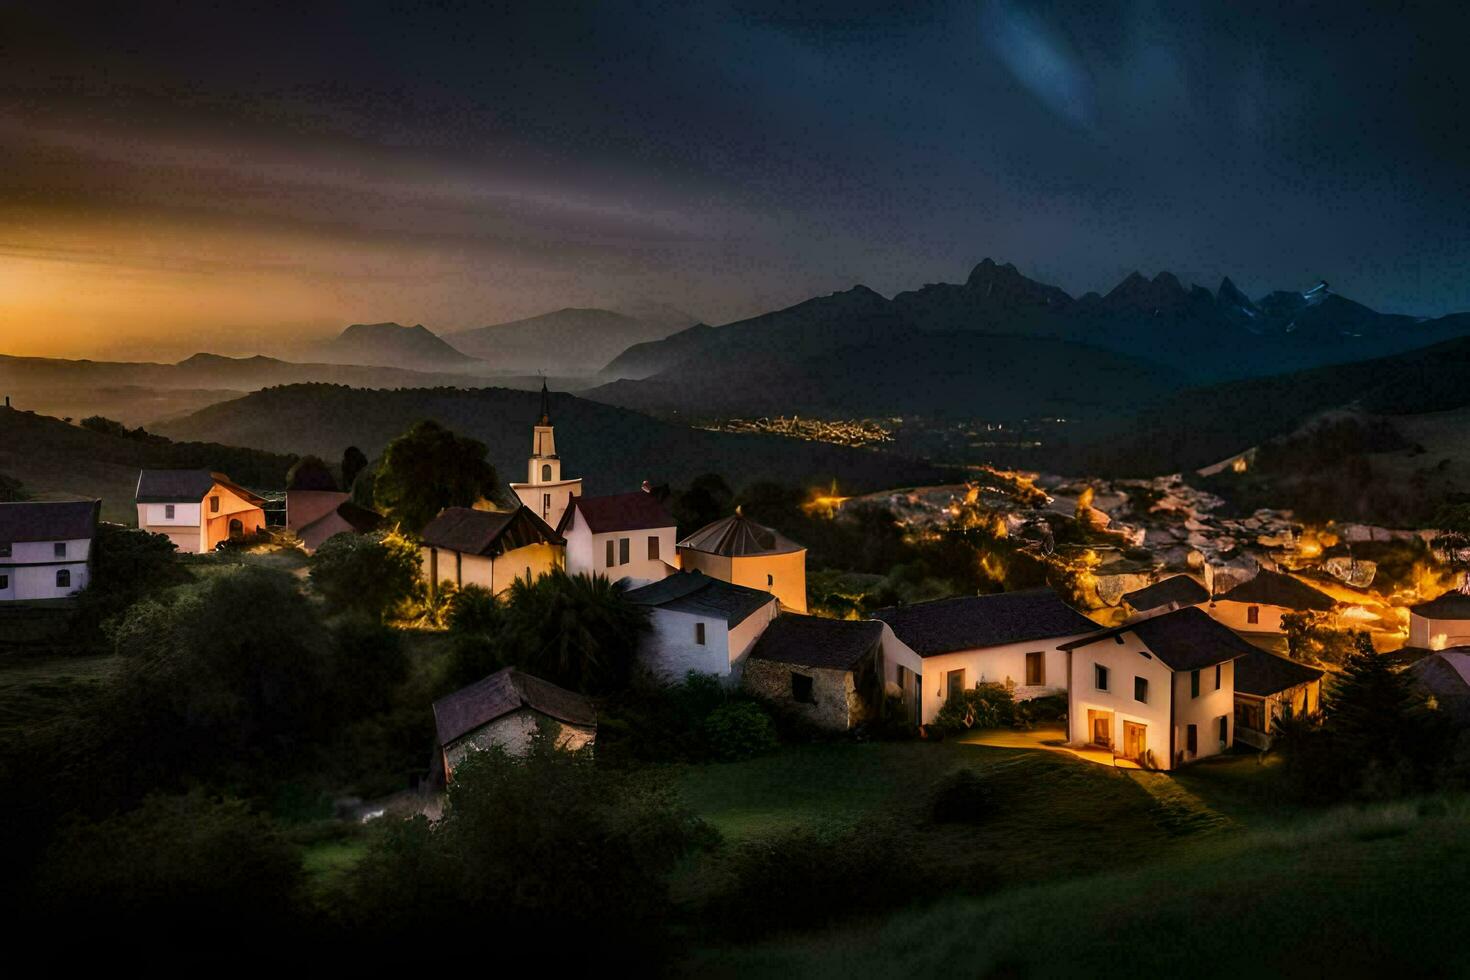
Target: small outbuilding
488 548
1268 687
742 552
1257 605
1441 623
506 710
698 623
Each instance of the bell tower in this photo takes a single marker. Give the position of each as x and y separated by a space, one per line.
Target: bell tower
544 465
546 492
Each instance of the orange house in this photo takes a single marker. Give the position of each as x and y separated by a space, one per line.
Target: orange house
196 509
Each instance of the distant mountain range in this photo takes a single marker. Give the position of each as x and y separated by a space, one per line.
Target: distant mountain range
1198 334
394 345
569 341
612 449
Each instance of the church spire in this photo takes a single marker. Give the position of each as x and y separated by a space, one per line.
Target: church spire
545 404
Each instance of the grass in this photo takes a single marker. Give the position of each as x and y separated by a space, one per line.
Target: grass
34 689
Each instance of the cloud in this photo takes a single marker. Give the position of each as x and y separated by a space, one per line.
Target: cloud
1041 60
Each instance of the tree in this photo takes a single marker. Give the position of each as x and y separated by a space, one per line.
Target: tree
11 489
429 468
1453 539
474 609
353 463
127 565
310 473
368 574
707 500
574 630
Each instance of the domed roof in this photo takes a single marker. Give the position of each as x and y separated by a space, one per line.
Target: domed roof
737 536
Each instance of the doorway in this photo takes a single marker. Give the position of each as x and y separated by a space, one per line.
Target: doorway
1135 740
1100 728
237 529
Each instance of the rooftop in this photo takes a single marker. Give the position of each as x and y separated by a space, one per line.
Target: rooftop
487 532
1179 590
48 520
1263 674
1270 588
1185 639
701 595
634 511
812 641
972 622
458 714
737 536
1451 605
185 487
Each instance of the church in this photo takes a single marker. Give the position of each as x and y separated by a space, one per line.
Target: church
545 493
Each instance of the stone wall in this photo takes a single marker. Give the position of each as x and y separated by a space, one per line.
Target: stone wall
835 702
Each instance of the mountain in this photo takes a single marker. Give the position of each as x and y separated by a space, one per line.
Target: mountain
394 345
56 460
611 448
569 341
1201 335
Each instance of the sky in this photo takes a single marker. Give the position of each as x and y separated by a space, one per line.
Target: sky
238 176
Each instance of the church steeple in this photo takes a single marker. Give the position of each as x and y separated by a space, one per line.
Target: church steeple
545 405
545 467
545 492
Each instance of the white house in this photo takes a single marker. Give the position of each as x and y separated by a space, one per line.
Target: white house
623 536
504 711
1159 691
1440 623
1257 605
46 548
488 548
545 492
1009 638
1268 687
196 509
701 624
740 551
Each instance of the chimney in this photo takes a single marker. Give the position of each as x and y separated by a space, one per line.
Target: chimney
648 486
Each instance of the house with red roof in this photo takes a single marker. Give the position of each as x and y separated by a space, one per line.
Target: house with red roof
622 536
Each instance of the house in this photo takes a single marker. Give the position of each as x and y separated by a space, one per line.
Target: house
1268 687
46 548
830 673
545 492
316 515
506 709
623 536
700 623
196 509
1257 605
1443 678
488 548
1159 691
740 551
1440 623
1165 595
1009 638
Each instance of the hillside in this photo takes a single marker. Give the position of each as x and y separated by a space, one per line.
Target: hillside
612 448
55 460
569 341
394 345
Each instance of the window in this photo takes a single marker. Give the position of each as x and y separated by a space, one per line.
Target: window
653 547
1140 689
214 504
1191 739
1253 615
1217 676
770 581
622 551
1249 714
63 578
801 688
4 581
954 682
545 504
1100 677
168 512
1035 669
1224 731
609 552
58 549
1194 683
546 473
699 633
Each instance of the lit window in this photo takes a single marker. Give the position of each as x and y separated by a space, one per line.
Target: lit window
699 633
1100 677
1140 689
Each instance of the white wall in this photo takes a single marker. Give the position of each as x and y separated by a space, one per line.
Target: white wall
561 494
587 552
1125 662
670 650
1205 711
1004 665
1437 634
30 571
154 515
1236 615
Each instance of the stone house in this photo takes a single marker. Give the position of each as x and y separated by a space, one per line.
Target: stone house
625 536
698 623
830 673
487 548
506 710
46 548
197 509
1267 687
742 552
1009 638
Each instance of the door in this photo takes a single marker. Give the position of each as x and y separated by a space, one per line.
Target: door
1100 725
1135 740
237 529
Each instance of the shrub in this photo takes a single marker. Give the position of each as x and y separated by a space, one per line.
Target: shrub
983 706
960 797
474 609
368 574
739 730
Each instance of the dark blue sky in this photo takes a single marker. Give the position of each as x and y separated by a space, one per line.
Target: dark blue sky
460 163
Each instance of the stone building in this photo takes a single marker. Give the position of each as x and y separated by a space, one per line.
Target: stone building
505 710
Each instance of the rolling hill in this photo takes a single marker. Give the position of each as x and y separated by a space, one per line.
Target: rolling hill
611 448
569 341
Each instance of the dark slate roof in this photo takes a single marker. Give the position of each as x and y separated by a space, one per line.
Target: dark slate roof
1177 589
737 536
970 622
1263 674
634 511
504 691
487 532
1270 588
49 520
1451 605
360 519
185 487
1185 639
1446 675
812 641
701 595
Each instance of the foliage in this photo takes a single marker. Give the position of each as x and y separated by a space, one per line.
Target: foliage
982 706
310 473
1453 539
573 630
543 849
1310 638
354 461
195 862
112 427
368 574
11 490
960 797
474 609
739 730
370 663
429 468
708 499
127 565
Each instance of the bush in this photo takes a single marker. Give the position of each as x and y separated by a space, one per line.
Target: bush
960 797
474 609
367 574
739 730
654 721
1051 707
983 706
